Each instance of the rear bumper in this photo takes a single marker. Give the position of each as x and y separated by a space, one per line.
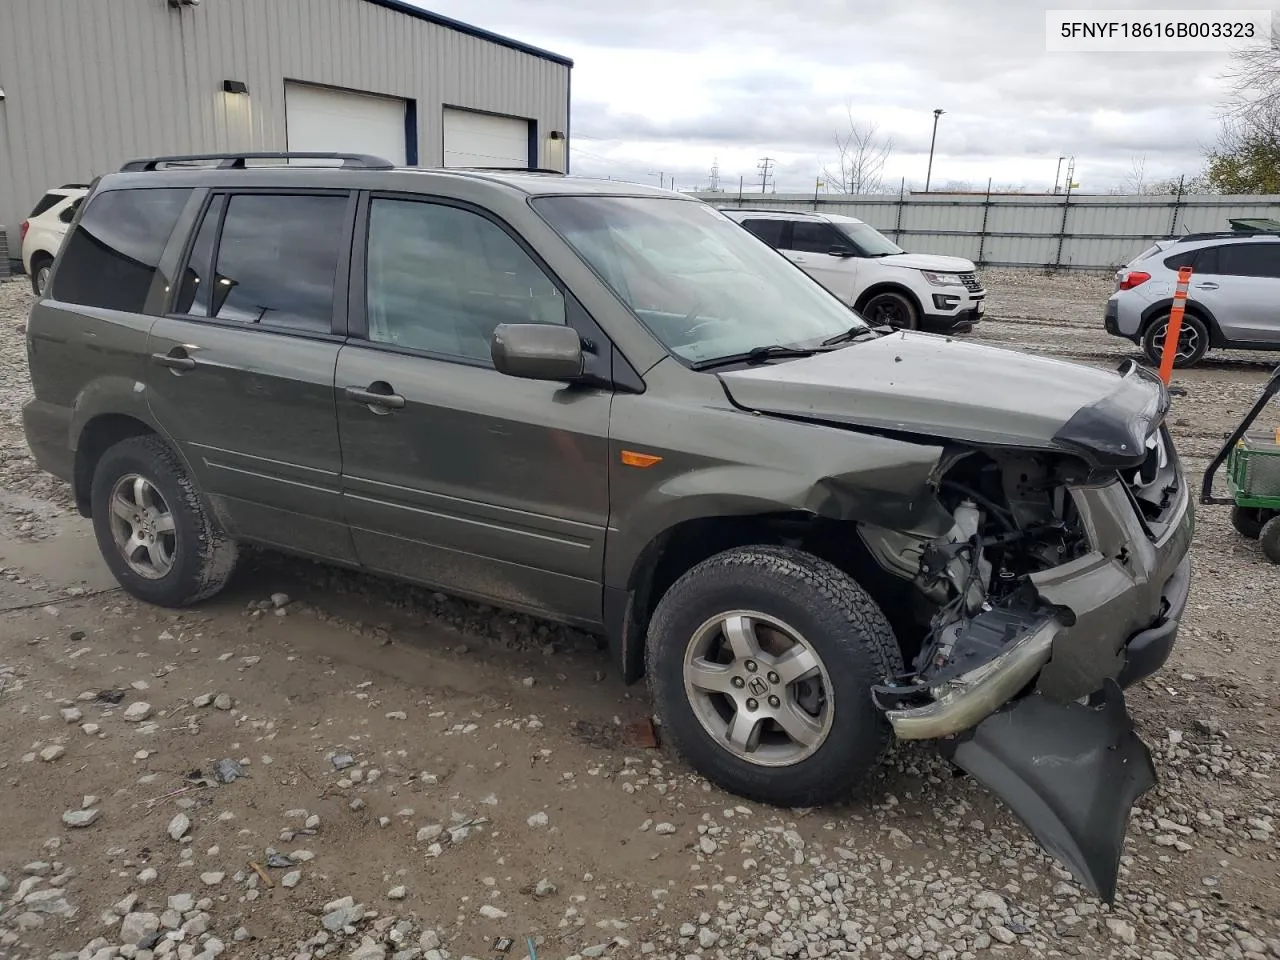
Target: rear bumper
47 428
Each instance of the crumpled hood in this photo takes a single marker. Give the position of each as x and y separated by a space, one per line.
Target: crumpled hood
951 389
929 261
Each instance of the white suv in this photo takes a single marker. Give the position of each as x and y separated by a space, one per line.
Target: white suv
43 231
870 272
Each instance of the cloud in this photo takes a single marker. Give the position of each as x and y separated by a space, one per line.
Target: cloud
669 90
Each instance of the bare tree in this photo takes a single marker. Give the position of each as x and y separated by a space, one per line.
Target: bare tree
1255 84
862 155
1135 181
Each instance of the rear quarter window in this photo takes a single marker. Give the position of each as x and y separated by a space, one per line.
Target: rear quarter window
47 202
110 258
1187 258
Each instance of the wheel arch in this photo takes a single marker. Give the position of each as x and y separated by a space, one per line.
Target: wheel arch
684 544
1202 313
98 435
888 286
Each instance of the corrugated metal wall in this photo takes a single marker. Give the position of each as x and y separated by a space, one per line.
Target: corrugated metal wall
1074 233
91 83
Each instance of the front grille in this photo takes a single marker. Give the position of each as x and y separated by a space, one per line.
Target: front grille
971 282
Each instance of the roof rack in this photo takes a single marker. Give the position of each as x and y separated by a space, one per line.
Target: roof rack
790 213
237 161
1225 234
559 173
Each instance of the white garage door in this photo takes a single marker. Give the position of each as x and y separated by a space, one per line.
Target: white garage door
482 140
339 121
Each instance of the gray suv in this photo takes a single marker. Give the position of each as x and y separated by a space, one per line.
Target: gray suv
1232 301
611 406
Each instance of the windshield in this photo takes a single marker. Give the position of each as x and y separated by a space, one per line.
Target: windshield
869 240
703 285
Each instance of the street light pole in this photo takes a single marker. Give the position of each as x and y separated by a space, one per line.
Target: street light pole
929 175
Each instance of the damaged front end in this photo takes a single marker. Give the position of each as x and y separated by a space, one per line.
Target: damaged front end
1059 582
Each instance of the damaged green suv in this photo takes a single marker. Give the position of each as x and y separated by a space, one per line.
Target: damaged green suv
612 406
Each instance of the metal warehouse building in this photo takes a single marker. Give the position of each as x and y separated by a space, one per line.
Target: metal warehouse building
88 84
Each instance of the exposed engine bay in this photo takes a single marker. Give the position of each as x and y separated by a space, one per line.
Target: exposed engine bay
1013 517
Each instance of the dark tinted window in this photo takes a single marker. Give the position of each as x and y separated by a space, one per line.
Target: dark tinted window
1249 260
110 258
193 291
441 278
1187 258
69 214
277 260
770 231
47 201
808 237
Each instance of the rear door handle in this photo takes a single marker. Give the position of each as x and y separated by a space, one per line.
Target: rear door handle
1206 286
175 359
799 260
372 398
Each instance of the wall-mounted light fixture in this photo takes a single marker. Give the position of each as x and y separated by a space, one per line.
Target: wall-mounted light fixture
235 86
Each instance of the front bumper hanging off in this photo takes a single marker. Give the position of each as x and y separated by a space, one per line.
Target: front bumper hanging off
1069 772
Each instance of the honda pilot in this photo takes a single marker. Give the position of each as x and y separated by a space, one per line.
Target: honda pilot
611 406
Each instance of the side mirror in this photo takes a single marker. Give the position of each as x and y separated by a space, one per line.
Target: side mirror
838 251
537 351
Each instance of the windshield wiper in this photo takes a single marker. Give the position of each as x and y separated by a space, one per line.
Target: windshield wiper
853 335
775 351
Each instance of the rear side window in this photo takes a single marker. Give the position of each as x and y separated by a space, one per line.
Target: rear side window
1249 260
1187 258
770 231
69 214
48 201
270 260
110 259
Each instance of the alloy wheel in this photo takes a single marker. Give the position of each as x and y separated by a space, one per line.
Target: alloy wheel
143 527
759 688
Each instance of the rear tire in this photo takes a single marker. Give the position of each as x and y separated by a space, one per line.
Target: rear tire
1269 539
892 309
153 529
822 644
1248 521
41 264
1193 340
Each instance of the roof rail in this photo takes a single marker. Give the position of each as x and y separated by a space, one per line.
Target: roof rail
236 161
790 213
1225 234
559 173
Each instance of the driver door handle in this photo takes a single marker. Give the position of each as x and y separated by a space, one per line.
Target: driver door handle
175 359
387 401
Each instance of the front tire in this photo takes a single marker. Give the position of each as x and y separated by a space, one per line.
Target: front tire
153 529
1193 340
761 660
891 309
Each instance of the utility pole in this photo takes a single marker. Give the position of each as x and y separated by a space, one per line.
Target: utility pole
1057 174
763 167
929 174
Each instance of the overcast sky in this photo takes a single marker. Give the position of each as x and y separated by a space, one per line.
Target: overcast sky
672 88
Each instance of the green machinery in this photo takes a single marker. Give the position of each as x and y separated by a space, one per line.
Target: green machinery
1253 477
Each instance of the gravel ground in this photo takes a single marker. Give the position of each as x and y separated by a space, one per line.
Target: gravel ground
322 764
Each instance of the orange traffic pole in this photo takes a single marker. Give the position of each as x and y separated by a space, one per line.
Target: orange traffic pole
1175 325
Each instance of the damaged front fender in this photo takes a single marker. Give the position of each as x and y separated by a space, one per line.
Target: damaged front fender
1071 773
